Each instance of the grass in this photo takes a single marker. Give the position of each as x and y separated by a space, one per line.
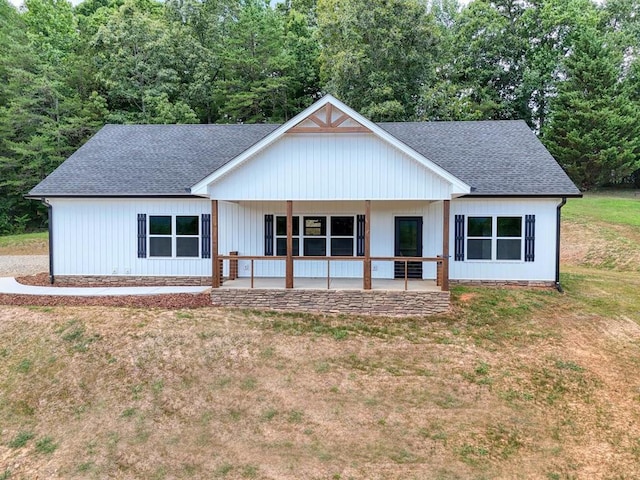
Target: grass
46 445
513 383
612 208
25 244
602 232
21 439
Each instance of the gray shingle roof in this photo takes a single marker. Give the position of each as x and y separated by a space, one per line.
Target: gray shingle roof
494 157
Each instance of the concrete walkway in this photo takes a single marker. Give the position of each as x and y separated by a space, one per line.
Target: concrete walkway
8 285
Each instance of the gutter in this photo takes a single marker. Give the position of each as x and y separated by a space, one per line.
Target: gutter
50 222
560 205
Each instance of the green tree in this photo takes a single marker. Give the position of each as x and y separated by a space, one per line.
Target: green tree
255 81
593 129
551 27
480 71
42 117
376 55
140 59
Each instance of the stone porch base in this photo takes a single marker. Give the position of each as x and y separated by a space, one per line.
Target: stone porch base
358 302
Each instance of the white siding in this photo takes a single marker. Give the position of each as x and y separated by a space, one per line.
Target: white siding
99 237
329 167
243 227
542 269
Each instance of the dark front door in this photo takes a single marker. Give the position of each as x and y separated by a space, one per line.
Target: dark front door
408 244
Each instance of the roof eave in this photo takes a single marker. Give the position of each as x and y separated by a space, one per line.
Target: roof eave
39 196
523 195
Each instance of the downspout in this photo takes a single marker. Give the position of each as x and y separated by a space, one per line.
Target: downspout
50 212
560 205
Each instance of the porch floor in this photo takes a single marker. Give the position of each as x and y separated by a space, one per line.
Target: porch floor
272 283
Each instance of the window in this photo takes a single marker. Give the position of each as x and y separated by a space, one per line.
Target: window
187 236
317 235
281 236
479 238
177 236
160 238
509 238
494 238
341 236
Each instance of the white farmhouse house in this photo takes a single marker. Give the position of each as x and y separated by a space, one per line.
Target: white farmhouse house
328 195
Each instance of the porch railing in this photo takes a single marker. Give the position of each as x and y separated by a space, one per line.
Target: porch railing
439 261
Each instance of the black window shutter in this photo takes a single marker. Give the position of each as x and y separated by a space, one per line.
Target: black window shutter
268 235
205 228
360 236
459 238
529 238
142 235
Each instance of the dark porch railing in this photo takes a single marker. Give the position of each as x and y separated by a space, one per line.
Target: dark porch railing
441 263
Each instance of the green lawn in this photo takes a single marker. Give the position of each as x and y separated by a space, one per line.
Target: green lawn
25 244
614 208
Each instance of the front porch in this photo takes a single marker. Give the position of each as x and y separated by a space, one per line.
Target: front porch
363 264
375 275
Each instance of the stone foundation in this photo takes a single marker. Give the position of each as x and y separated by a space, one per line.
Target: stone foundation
128 281
504 283
358 302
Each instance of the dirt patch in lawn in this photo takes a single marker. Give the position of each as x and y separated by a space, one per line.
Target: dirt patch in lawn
95 392
600 246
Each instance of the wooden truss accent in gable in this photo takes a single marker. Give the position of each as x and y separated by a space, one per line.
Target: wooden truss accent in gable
329 120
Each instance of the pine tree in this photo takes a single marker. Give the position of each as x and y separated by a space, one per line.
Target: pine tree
594 128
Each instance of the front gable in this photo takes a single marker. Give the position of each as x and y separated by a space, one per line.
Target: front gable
330 152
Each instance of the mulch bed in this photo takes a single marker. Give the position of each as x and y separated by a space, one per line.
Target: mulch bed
167 301
37 280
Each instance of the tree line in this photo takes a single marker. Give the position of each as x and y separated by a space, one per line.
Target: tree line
569 68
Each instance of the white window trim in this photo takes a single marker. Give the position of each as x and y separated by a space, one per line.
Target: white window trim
494 239
174 236
327 237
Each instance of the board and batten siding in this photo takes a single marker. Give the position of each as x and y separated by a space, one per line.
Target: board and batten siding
243 227
329 167
99 237
542 269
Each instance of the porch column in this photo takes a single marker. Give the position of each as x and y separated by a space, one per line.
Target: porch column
289 268
366 277
215 264
446 208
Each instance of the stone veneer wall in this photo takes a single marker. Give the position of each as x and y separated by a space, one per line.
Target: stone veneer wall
127 281
361 302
